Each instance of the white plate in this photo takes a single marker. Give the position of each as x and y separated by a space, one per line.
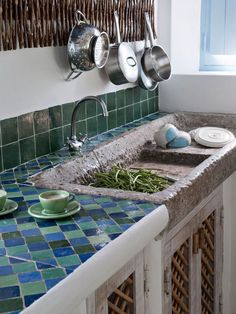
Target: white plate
213 136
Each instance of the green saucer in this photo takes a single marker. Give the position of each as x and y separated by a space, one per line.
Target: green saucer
9 207
38 211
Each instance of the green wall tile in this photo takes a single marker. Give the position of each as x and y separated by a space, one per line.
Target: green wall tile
42 144
111 101
129 114
11 155
81 112
104 98
129 96
81 128
137 111
151 94
143 94
112 120
41 121
1 165
26 125
66 132
46 130
144 108
102 124
152 105
27 149
9 131
120 98
56 139
121 117
91 108
92 127
55 115
136 93
67 110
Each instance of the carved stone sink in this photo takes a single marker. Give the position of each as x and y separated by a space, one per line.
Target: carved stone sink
197 170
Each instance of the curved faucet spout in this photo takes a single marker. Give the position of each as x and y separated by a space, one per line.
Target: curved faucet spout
73 143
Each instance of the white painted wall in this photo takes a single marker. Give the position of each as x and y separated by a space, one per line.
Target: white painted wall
189 89
33 79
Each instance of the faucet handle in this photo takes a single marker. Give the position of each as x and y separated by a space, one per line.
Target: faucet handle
83 138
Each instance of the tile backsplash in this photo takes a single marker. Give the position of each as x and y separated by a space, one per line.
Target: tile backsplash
38 133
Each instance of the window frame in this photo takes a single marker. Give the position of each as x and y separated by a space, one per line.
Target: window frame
208 60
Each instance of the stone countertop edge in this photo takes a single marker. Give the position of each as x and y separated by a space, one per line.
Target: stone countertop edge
101 266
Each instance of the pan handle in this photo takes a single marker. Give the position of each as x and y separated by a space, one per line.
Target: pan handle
146 37
77 14
70 77
118 37
149 27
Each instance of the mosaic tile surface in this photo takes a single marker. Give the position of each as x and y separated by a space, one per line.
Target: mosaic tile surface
36 254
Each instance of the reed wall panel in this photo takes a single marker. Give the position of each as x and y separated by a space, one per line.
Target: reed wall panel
45 23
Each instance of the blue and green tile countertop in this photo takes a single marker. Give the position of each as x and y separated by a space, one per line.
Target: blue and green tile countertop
36 254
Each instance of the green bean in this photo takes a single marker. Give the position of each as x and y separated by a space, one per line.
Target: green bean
140 180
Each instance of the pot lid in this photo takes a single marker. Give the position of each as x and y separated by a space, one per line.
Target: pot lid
128 62
213 136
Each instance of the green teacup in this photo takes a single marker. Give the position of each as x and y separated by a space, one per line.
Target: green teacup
55 201
3 198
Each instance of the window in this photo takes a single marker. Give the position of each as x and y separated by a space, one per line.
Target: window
218 35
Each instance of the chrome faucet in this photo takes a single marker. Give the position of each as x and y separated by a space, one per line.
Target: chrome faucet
72 141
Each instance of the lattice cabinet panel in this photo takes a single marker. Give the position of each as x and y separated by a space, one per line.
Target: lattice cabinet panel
121 301
180 279
193 260
207 232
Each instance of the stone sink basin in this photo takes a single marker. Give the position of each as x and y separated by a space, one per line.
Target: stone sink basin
196 171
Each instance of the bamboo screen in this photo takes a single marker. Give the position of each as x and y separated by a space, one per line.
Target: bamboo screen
43 23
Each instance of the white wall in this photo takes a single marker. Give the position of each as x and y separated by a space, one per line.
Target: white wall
189 89
33 79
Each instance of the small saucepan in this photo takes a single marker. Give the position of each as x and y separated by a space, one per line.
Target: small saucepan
121 66
87 47
145 81
155 61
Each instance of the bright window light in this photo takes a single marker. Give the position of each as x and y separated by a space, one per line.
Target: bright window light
218 35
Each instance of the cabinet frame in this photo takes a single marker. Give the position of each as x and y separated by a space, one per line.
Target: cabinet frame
97 303
188 229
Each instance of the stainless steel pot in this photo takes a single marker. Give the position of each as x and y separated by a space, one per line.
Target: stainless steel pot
87 47
145 81
155 61
121 66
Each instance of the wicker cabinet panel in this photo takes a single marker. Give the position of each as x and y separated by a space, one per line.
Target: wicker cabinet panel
208 264
193 261
121 301
123 293
180 279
